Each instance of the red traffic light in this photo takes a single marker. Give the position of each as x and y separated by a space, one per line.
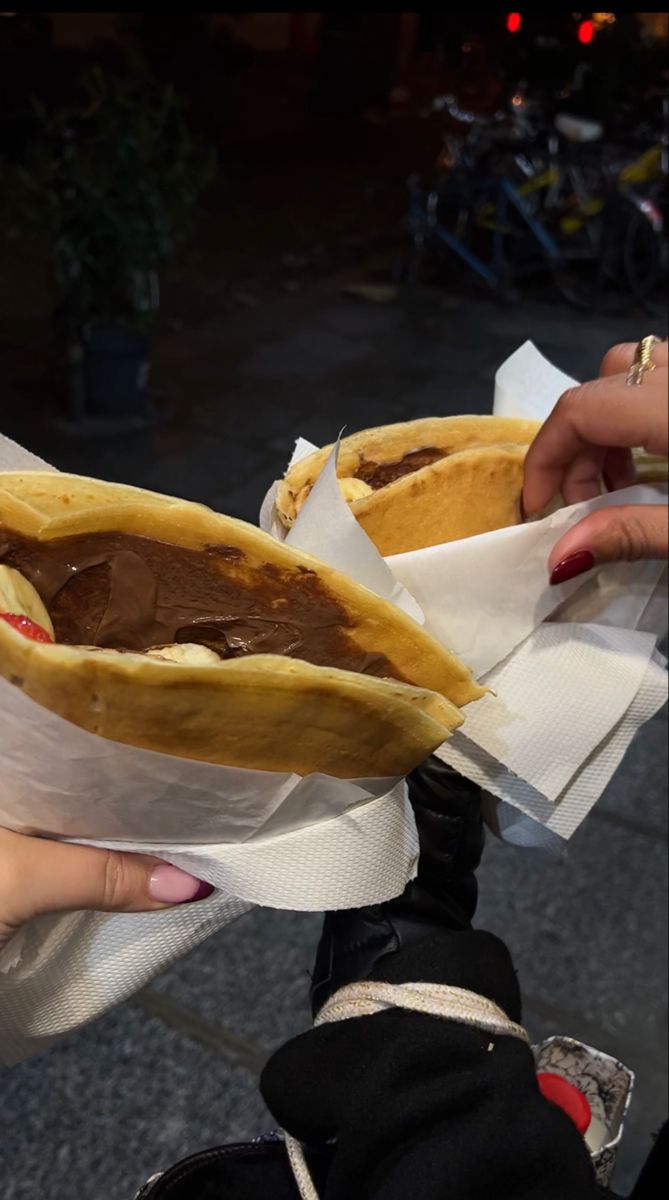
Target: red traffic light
513 22
586 32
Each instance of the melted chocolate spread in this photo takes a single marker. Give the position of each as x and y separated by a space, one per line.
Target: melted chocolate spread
377 475
128 592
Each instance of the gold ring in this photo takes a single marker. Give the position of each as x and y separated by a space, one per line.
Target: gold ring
642 361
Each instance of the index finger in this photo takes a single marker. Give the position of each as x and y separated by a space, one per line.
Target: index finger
619 359
602 414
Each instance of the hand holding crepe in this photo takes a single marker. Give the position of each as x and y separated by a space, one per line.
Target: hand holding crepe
594 432
39 875
259 656
426 482
421 483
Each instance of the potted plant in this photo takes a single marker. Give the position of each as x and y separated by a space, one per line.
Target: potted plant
115 182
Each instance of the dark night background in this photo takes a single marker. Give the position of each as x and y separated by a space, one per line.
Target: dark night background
255 258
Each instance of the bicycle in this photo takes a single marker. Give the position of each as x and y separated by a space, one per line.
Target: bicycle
645 252
466 202
513 198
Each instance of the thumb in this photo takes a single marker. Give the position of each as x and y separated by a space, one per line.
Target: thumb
40 876
625 533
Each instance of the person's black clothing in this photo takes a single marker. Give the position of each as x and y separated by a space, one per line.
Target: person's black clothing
447 808
653 1179
421 1108
404 1106
426 1108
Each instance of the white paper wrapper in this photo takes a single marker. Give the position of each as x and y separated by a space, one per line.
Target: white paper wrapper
498 592
259 837
527 817
527 385
573 675
61 781
60 972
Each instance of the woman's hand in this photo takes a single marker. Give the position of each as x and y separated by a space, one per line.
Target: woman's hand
41 876
589 436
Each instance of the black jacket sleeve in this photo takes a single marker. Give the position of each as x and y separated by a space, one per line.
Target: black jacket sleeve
423 1108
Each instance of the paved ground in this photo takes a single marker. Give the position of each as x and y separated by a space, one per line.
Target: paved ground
175 1070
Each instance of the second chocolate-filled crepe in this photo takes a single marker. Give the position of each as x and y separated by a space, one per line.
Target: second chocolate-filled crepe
421 483
180 630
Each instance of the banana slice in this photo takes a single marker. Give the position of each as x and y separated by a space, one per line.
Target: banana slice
350 488
17 595
186 652
354 489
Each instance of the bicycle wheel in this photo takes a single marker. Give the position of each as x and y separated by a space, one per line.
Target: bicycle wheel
645 260
590 274
452 239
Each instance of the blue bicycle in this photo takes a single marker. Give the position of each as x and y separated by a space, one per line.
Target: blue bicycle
513 199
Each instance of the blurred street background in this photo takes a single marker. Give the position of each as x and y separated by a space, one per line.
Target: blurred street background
222 231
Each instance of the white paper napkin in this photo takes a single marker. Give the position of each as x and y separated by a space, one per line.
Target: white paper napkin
484 595
305 843
347 541
59 780
566 663
260 837
527 385
60 972
592 675
523 816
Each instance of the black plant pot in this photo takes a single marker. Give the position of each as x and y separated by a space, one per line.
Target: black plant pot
108 372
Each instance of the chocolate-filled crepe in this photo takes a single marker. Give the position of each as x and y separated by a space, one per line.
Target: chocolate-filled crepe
421 483
180 630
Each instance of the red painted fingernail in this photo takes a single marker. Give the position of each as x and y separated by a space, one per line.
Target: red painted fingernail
573 565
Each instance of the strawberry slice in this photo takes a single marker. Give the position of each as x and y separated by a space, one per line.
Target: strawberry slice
27 627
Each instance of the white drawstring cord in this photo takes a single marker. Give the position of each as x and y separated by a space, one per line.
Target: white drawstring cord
437 1000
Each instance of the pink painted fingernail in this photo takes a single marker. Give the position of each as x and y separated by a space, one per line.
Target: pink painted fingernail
573 565
169 885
